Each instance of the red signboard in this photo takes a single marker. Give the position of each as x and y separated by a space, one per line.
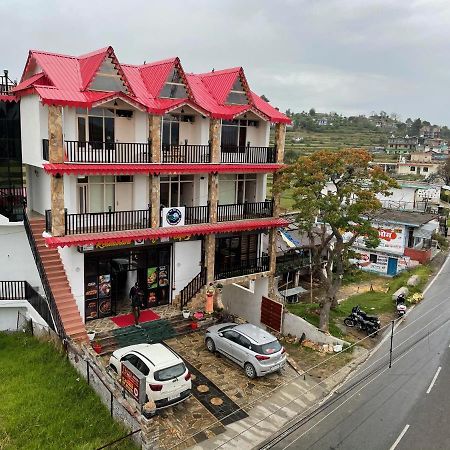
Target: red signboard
271 314
130 382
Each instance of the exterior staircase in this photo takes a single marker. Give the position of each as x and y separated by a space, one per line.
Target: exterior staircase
56 285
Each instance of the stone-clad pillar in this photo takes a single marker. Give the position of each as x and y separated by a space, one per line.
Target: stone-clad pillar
56 156
280 135
154 130
213 183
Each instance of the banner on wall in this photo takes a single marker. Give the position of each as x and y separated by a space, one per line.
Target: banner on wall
173 217
392 238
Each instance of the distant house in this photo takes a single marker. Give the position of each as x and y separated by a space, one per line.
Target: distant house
322 122
400 145
430 131
405 241
420 163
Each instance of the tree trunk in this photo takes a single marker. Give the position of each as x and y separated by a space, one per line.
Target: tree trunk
325 315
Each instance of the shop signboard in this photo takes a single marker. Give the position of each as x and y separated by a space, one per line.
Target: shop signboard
104 286
90 297
133 381
152 278
392 238
173 217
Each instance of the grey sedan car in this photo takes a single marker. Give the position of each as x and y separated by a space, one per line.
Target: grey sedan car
254 349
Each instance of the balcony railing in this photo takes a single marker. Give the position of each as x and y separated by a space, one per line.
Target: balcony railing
247 155
244 267
242 211
6 84
196 214
102 222
186 153
12 201
108 152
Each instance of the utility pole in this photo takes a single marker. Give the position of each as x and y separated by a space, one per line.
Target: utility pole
311 274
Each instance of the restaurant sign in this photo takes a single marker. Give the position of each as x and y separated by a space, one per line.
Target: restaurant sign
133 381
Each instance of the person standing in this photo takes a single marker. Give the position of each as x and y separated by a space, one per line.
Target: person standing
209 308
135 298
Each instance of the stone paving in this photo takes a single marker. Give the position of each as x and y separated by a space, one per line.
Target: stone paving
229 377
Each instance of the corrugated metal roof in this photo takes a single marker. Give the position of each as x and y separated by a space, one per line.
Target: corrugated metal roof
173 169
71 76
165 232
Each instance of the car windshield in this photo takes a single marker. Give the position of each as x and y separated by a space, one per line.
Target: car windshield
227 327
170 372
269 348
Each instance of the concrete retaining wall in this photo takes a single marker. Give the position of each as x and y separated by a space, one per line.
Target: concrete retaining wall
296 326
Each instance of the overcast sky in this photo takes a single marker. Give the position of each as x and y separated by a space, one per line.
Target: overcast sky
348 56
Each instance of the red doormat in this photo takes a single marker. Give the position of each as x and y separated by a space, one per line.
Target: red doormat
128 319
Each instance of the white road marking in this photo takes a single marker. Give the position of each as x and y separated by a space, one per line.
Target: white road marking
434 379
400 437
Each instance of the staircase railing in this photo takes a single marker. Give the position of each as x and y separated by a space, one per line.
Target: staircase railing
193 287
45 283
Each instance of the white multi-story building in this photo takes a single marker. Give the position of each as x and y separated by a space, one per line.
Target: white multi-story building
145 173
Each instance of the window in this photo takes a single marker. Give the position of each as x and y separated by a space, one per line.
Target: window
142 367
373 258
107 78
267 349
237 95
96 126
231 335
234 133
170 372
244 342
425 169
237 188
177 190
412 169
174 86
96 193
170 130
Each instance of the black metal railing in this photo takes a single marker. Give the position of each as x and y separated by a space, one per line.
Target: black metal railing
193 287
6 84
22 290
246 154
45 152
102 222
108 152
12 201
59 327
196 214
242 211
12 290
185 153
243 267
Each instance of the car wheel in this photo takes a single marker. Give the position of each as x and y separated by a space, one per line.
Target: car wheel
250 370
210 345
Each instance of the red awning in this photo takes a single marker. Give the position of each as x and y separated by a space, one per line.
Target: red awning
164 232
121 169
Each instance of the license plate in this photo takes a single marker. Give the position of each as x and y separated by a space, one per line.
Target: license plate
172 397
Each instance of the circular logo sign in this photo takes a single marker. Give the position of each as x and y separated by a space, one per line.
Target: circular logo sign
173 216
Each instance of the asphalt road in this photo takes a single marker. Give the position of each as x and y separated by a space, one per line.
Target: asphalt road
404 407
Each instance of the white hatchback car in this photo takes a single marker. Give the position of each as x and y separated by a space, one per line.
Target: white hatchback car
168 379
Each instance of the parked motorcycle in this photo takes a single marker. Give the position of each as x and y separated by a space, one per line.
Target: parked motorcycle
401 307
361 320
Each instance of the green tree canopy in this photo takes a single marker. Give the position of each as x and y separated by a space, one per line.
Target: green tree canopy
335 196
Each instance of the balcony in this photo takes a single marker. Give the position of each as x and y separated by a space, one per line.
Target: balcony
12 201
186 154
6 85
236 154
102 222
108 152
244 267
244 211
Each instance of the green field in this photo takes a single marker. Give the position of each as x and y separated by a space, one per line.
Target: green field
45 404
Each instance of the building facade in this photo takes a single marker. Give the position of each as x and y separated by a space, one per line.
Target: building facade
148 174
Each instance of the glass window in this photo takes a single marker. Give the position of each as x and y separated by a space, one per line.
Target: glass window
142 367
237 98
96 198
82 129
373 258
231 335
267 349
109 197
107 83
170 372
412 169
244 342
95 129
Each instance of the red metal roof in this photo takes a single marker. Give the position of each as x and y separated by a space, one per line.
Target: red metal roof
166 232
70 76
8 98
119 169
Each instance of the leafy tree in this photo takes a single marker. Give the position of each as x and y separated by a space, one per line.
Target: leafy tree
340 188
444 171
265 98
312 112
415 127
